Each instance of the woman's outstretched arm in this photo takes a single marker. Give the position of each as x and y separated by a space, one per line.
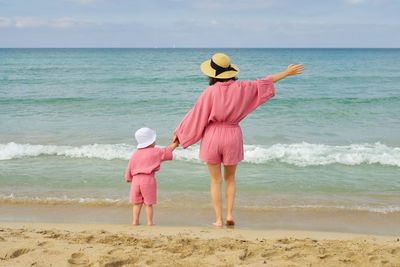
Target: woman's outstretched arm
192 126
291 70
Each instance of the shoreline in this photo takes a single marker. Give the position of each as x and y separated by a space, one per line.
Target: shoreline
46 244
335 221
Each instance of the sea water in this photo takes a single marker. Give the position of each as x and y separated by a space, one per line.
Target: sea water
329 139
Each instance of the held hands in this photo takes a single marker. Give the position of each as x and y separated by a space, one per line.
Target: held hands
294 69
175 139
175 142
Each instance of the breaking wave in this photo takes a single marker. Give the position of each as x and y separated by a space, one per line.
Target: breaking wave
299 154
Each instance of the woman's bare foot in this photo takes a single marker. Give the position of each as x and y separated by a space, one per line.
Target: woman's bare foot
230 223
136 224
218 224
150 224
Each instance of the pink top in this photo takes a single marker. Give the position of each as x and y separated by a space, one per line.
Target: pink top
227 102
147 161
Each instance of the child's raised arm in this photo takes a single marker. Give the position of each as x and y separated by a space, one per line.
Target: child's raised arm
291 70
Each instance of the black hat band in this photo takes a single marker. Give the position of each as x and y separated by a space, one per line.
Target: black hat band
218 69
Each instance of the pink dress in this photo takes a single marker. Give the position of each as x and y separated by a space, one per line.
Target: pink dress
216 115
141 170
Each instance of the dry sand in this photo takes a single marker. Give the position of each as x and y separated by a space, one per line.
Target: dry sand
36 244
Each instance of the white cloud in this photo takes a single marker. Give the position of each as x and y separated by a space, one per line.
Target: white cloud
30 22
82 2
236 5
68 22
27 22
355 2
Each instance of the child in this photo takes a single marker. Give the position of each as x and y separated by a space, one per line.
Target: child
143 164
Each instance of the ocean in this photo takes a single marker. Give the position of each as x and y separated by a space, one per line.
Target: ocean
328 141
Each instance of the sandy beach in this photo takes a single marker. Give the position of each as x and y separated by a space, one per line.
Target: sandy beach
41 244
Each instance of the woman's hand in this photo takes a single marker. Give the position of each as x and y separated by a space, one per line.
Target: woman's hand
174 145
174 142
175 139
291 70
294 69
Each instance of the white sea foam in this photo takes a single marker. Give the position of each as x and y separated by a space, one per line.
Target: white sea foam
11 199
300 154
99 151
375 209
305 154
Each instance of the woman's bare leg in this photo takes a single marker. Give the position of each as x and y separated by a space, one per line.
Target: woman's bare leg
215 189
230 189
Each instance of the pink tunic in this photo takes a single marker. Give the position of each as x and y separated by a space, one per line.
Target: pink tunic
216 115
140 171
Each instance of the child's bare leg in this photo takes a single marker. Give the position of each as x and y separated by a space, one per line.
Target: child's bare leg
149 214
136 213
215 188
230 186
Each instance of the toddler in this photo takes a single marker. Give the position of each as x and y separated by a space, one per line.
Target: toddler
143 164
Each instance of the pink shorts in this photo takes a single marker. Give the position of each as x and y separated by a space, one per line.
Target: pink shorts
144 189
222 143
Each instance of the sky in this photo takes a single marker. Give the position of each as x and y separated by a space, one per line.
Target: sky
200 23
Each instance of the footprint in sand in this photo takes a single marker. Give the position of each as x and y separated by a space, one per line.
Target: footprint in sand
17 252
293 256
147 243
323 256
42 244
78 259
245 254
373 259
349 254
268 253
395 251
116 262
115 251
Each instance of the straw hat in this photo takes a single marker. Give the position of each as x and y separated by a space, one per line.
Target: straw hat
220 67
145 137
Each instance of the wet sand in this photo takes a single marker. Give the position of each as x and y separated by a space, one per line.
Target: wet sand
330 220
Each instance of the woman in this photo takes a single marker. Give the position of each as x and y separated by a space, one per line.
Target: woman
215 120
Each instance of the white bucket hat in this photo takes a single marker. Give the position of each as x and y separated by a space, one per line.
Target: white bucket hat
145 137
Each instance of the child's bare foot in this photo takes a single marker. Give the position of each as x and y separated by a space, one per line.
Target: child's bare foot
150 224
135 223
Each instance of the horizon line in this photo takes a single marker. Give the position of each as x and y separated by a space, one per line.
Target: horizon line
167 47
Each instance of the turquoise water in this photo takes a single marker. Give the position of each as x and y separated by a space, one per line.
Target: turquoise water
328 139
